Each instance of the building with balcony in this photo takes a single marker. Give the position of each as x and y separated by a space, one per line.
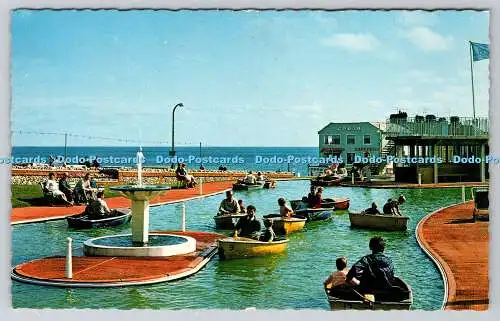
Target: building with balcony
348 140
446 139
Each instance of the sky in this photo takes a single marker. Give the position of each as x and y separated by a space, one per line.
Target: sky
246 78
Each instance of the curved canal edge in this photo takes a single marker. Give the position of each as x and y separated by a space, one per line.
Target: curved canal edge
459 248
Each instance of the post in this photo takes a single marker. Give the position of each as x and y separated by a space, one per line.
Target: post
352 178
472 81
419 178
483 164
69 259
463 193
201 185
172 152
436 168
65 147
183 225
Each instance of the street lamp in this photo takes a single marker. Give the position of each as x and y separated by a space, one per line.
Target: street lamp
172 152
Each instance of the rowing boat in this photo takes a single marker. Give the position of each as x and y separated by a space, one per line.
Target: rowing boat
246 187
379 222
241 247
286 225
314 214
227 221
117 217
400 297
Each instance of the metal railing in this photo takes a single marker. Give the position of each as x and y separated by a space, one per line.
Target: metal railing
453 126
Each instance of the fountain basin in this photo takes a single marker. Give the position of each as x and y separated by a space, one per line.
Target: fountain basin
122 245
140 192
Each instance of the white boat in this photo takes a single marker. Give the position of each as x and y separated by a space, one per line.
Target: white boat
379 221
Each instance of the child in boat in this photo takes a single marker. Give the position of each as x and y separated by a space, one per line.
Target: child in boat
242 206
285 211
303 204
268 235
339 277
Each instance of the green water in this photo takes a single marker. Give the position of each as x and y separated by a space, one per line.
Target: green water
289 281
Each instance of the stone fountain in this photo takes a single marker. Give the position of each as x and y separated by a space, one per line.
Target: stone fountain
140 242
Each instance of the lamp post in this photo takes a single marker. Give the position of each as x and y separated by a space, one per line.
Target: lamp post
172 152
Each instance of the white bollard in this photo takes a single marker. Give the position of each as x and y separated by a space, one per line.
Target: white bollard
352 178
463 193
419 178
183 226
201 185
69 259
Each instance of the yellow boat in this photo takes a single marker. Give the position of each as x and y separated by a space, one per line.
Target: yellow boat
282 225
242 247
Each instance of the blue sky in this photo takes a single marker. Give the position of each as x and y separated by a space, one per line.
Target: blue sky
246 78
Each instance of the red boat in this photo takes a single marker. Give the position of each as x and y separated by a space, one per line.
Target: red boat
340 203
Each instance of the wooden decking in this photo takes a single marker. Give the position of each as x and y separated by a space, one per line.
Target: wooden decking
46 213
460 248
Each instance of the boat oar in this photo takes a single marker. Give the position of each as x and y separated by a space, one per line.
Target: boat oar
364 298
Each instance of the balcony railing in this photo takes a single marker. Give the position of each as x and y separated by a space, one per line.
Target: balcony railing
453 126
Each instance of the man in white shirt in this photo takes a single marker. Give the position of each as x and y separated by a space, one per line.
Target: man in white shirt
250 178
52 187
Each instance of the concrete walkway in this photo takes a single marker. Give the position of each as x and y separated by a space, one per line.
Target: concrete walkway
460 249
46 213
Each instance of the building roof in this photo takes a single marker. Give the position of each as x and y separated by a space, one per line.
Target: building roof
349 123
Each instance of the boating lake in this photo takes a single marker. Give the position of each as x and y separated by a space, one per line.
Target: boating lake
292 280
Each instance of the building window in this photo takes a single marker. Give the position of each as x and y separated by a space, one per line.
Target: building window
350 158
367 140
351 140
336 140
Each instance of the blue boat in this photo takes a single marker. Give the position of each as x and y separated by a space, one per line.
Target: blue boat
314 214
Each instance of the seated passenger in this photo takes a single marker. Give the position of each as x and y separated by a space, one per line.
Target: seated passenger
375 270
339 277
242 206
316 199
372 210
66 188
260 177
268 235
250 179
303 204
388 207
248 226
395 205
229 205
52 187
98 208
285 211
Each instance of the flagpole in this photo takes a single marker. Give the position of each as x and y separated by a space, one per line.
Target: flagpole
472 81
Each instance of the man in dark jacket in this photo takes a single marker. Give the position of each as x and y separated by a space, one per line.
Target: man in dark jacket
374 271
248 226
66 188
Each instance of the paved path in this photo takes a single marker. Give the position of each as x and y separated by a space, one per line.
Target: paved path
46 213
461 250
102 271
